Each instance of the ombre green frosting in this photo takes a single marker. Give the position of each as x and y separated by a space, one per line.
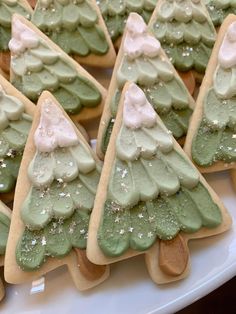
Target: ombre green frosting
153 192
14 128
7 9
215 139
72 25
4 230
57 208
55 240
219 9
186 33
42 68
115 13
164 90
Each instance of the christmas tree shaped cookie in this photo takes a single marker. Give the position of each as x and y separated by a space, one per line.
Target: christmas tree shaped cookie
211 140
37 64
15 121
115 14
5 215
219 10
78 28
7 9
141 60
54 197
150 200
186 33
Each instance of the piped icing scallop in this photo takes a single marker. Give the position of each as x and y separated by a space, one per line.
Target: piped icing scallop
37 67
153 190
219 10
144 63
215 138
14 128
7 9
115 13
73 25
63 177
186 33
4 230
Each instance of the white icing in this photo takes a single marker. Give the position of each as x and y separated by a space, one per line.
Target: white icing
54 129
22 37
137 112
227 52
137 41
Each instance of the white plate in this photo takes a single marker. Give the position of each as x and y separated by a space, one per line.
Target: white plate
129 290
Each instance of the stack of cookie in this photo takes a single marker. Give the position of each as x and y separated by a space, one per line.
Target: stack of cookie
140 193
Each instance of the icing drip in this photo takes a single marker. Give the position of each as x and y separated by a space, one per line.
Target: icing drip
23 37
54 129
227 52
137 112
137 41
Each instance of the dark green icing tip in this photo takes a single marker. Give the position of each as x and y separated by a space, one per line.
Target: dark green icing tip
4 230
55 240
72 25
219 10
115 14
6 11
138 227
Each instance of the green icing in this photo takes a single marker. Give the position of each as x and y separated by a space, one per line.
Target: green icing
186 33
115 13
7 9
56 240
57 197
215 139
4 230
72 25
14 128
153 190
139 226
107 135
57 208
218 10
41 68
137 157
163 89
